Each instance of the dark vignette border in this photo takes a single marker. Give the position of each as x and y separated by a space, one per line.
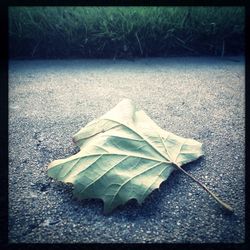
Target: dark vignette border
4 119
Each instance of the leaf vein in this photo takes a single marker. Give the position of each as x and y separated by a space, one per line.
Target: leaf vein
84 189
125 183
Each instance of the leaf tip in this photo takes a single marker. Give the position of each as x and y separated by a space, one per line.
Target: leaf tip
107 210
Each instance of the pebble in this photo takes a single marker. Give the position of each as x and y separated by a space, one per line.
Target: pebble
33 195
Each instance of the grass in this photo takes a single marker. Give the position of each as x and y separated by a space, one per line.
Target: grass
124 32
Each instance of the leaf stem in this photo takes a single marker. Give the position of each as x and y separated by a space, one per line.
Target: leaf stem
222 203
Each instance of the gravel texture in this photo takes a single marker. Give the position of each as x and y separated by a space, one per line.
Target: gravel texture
199 98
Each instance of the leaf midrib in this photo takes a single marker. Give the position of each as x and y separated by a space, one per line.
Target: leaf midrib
117 154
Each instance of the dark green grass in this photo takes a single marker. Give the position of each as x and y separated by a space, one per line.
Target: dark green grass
124 32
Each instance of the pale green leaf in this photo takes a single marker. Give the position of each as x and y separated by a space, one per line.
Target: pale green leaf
123 155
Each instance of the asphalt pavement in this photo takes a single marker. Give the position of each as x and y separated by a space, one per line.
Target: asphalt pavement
199 98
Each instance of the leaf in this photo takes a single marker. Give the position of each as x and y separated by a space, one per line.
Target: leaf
123 155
